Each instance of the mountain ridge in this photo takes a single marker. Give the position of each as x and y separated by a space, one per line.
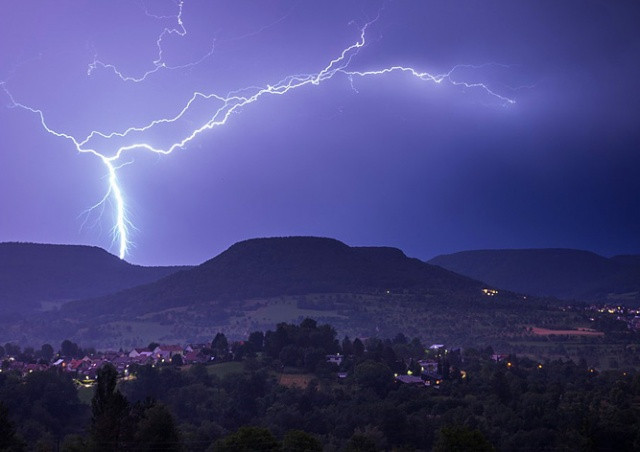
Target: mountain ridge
274 266
559 272
33 273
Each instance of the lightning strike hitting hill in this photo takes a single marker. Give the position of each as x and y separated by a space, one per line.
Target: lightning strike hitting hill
225 106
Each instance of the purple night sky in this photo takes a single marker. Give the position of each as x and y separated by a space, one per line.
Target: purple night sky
382 160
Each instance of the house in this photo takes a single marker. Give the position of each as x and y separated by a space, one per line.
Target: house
409 380
136 352
26 369
195 347
111 355
335 359
75 364
121 363
167 351
428 365
142 360
195 357
431 378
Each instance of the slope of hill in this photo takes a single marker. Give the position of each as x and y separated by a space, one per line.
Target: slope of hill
33 273
561 273
287 266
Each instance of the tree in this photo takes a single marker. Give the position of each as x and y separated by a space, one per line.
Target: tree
220 346
416 347
309 324
374 375
291 355
400 339
368 439
415 367
69 349
312 358
53 404
248 439
361 443
75 443
8 438
390 359
157 430
109 409
256 339
297 440
347 346
240 349
152 346
11 349
46 352
500 386
461 439
358 347
176 360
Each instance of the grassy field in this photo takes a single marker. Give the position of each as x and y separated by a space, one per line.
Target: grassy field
223 369
295 380
85 394
578 332
286 310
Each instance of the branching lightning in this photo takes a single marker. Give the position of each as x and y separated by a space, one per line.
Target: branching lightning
158 63
225 106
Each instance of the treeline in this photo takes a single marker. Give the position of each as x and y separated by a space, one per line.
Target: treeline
515 404
44 354
39 411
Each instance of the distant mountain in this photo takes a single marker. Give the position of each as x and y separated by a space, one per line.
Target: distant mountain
561 273
287 266
33 273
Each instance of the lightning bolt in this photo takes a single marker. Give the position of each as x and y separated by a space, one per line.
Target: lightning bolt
225 107
158 63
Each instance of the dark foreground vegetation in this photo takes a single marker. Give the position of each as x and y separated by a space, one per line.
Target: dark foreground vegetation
281 393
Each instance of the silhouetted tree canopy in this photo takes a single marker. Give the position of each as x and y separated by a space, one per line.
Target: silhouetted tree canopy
249 439
110 410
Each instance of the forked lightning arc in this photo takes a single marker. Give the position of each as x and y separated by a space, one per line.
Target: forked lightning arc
226 105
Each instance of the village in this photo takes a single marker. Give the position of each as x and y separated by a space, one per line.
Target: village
83 366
